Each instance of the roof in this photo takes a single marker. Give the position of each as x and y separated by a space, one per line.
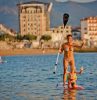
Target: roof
89 18
9 29
34 2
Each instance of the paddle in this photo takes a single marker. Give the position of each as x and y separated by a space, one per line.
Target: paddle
65 20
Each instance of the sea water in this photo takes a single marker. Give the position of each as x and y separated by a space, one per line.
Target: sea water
31 78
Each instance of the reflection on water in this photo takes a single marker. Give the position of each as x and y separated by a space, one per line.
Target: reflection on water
32 78
70 94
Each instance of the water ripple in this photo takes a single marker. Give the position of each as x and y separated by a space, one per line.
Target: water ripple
32 78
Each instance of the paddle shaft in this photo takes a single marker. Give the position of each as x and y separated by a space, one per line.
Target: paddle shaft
65 20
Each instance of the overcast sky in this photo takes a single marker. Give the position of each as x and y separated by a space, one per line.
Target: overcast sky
81 1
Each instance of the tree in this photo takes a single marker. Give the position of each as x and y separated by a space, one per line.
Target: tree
5 37
29 37
46 37
19 37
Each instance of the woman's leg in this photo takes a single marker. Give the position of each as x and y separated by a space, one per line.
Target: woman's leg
72 65
73 68
65 64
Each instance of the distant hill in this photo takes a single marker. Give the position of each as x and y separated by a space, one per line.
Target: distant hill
77 11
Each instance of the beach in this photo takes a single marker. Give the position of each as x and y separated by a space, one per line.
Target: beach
27 51
9 52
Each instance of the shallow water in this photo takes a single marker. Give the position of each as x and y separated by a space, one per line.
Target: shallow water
32 78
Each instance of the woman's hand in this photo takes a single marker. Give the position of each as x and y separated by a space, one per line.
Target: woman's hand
83 42
81 69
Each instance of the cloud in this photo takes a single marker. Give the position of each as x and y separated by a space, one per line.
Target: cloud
8 10
80 1
61 0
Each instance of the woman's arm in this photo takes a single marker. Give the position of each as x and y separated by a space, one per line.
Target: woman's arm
61 48
81 71
79 46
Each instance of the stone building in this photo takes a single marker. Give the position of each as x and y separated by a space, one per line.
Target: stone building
34 17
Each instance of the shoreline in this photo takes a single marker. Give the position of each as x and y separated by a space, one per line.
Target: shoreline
27 51
11 52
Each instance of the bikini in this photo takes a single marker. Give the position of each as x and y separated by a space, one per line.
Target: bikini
68 49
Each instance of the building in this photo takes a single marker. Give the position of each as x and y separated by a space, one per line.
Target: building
89 28
34 17
4 29
76 33
58 36
59 33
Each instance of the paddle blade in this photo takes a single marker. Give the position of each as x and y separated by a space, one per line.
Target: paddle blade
65 19
54 72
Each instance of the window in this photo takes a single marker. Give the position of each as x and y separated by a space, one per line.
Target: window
85 28
85 33
24 25
34 11
89 29
24 30
67 27
57 31
62 27
75 34
53 30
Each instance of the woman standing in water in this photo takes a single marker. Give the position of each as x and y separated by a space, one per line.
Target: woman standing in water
68 59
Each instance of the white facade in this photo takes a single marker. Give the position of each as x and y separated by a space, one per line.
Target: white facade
59 33
89 28
7 30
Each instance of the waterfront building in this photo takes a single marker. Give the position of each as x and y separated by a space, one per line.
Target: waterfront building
76 33
7 30
34 17
59 33
89 30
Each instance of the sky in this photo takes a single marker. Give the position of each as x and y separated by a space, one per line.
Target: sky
6 7
80 1
77 9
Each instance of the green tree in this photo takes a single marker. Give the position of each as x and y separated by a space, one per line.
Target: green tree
6 36
19 37
46 37
30 37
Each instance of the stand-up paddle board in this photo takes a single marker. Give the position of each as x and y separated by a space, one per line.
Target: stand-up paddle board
78 87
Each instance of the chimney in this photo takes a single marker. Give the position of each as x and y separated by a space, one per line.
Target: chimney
50 6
